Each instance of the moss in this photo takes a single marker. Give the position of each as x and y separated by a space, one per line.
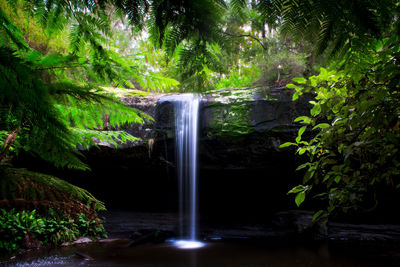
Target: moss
123 92
232 110
227 96
231 121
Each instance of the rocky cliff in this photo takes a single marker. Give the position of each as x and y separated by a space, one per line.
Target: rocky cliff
239 128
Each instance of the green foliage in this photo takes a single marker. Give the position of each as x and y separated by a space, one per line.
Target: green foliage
332 25
51 97
31 186
201 40
63 113
287 63
195 71
356 118
10 32
32 32
189 32
15 225
300 192
18 227
236 79
255 52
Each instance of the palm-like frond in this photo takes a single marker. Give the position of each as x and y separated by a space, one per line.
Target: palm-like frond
195 63
334 23
10 34
135 10
57 117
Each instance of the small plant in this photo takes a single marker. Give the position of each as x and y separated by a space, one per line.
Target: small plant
14 226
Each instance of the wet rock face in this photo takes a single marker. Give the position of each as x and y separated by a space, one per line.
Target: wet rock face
242 170
240 128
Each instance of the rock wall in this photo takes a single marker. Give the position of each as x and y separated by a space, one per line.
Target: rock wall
240 128
243 174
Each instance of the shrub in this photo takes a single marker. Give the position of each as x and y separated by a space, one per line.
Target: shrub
24 229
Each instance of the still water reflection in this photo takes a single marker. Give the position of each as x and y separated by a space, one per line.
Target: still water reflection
219 253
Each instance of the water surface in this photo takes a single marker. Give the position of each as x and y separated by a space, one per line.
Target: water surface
222 253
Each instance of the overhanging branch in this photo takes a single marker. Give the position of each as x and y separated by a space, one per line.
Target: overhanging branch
249 36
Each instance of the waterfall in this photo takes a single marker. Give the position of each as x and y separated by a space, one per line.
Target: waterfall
186 109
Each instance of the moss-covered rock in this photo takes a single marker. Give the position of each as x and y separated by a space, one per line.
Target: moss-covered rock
240 128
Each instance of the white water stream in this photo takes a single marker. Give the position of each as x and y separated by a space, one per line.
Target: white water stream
186 108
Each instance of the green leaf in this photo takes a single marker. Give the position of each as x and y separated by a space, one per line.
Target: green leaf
302 166
302 130
302 151
317 215
304 119
287 144
316 110
291 86
300 197
309 175
300 80
295 96
298 188
321 126
314 81
323 74
300 133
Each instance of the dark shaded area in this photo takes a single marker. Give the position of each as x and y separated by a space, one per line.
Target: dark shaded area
242 178
129 179
122 178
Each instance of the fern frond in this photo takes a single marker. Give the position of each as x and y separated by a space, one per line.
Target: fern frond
10 34
32 186
334 20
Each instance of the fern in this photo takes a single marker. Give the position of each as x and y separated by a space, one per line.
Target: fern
32 186
184 29
10 34
57 117
336 23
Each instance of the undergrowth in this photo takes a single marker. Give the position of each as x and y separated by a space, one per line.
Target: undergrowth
38 209
28 229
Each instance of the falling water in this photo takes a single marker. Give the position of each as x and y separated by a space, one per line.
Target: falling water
186 132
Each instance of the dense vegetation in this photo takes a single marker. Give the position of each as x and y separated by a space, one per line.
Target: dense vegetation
27 229
68 52
38 209
60 60
356 111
